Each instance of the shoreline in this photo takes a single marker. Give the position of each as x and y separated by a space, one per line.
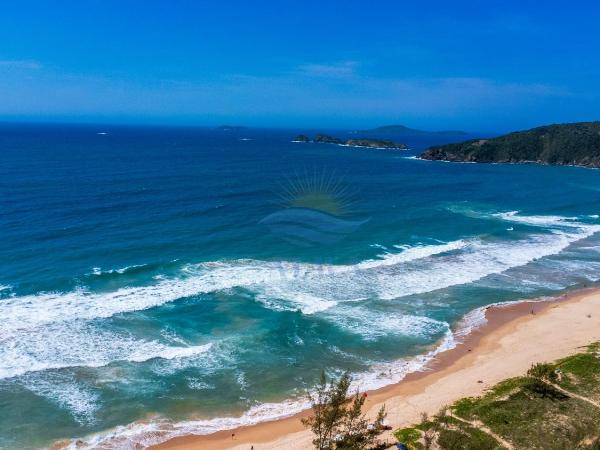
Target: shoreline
513 336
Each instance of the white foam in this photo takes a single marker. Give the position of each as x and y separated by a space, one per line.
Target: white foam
379 375
145 434
26 312
477 260
80 345
372 323
543 221
280 300
198 385
314 287
64 391
411 254
384 374
159 430
334 291
382 247
477 318
99 271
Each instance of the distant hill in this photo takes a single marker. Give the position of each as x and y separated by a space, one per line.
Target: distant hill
231 128
401 130
566 144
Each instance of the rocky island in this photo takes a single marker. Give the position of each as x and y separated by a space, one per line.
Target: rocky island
301 138
575 144
363 142
326 139
375 143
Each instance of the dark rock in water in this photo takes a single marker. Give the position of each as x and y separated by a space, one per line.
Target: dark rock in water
326 139
301 138
566 144
376 143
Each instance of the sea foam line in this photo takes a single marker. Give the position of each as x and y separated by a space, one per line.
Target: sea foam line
25 312
310 288
335 291
98 271
81 345
381 374
160 429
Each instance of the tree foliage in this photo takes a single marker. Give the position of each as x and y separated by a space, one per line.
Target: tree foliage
338 422
543 372
542 377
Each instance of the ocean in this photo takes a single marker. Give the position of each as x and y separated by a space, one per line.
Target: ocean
157 281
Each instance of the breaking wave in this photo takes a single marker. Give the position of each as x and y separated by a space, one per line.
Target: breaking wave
160 429
59 330
334 291
80 345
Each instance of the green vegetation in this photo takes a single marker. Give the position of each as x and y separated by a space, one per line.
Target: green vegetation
301 138
337 421
375 143
567 144
553 407
410 436
465 437
580 374
326 139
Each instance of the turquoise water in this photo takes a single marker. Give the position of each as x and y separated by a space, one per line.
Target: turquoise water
157 281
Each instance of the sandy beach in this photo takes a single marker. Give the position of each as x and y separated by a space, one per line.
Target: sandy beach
514 337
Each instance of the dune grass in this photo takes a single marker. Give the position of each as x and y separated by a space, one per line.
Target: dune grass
526 412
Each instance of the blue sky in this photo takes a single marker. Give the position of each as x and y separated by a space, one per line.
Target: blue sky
481 65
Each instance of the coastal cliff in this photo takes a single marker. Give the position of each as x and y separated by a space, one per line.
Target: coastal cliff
566 144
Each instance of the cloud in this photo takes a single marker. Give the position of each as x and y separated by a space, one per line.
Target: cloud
361 96
336 94
343 69
20 64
